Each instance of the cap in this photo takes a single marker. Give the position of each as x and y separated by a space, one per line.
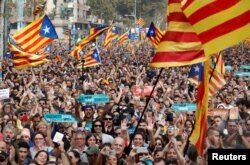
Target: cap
92 150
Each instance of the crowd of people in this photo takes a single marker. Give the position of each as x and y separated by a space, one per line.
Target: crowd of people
107 133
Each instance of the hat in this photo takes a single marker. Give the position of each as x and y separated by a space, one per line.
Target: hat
92 150
21 110
3 156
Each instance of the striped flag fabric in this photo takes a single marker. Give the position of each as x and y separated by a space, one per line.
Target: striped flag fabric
216 82
111 34
198 135
141 22
154 34
92 58
23 59
180 44
219 63
123 38
36 35
39 9
219 23
83 43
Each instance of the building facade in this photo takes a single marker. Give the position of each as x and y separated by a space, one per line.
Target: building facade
67 16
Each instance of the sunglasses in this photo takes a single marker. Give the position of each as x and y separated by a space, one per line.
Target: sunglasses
108 119
97 125
190 115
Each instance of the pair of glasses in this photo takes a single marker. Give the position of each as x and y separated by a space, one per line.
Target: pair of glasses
22 114
189 115
97 125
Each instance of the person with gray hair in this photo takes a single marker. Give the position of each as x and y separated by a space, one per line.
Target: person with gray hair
9 133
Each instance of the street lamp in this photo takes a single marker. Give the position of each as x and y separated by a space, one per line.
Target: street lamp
134 15
69 28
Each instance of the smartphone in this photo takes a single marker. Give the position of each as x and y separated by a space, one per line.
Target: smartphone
169 117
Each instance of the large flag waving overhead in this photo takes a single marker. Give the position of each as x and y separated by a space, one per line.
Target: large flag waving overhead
94 33
219 23
23 59
180 45
154 34
36 35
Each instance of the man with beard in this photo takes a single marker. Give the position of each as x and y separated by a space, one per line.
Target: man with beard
9 134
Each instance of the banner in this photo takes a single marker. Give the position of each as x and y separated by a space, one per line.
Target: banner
93 99
184 107
59 118
143 90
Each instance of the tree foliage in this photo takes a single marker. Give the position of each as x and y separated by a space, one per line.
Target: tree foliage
150 10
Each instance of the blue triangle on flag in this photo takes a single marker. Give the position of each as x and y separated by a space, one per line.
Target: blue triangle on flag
47 29
96 56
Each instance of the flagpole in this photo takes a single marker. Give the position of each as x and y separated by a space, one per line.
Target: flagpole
147 102
211 75
83 61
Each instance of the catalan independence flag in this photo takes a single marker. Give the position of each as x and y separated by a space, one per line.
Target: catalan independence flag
95 32
216 82
141 22
219 63
199 133
36 35
92 58
123 38
23 59
111 34
154 34
219 23
39 9
180 44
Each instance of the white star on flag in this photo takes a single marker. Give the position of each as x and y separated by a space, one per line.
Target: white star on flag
152 32
46 29
196 68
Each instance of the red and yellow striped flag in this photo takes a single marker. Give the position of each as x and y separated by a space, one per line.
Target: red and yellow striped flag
36 35
123 38
216 82
96 31
110 36
219 23
141 22
39 9
199 133
180 45
219 63
154 34
23 60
